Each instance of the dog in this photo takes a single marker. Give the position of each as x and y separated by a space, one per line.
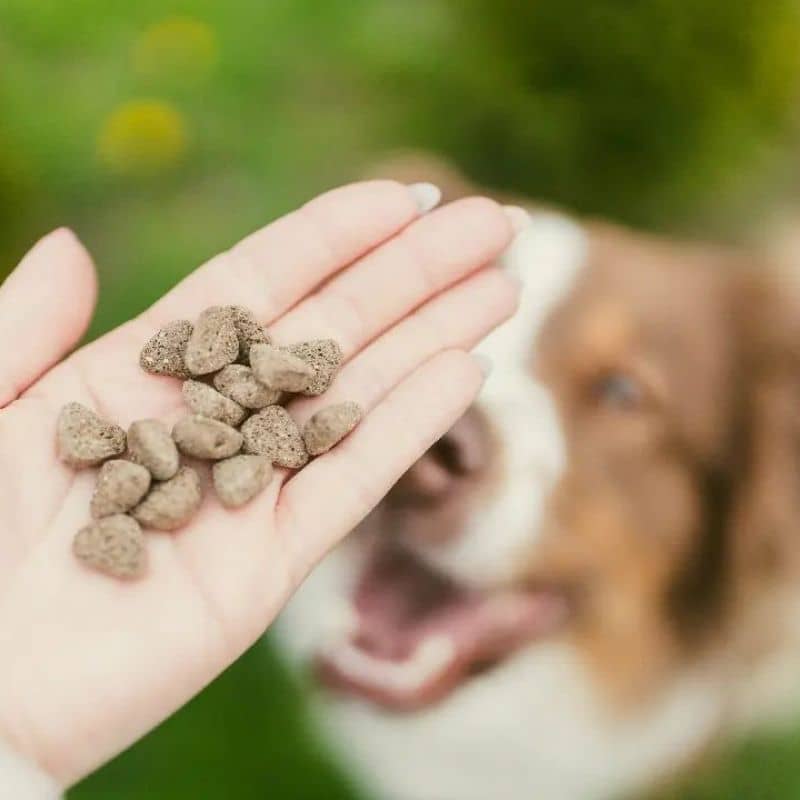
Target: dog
591 581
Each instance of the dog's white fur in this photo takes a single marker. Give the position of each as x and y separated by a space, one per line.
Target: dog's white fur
533 727
547 257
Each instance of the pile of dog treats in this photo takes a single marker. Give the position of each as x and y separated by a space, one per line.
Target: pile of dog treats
235 385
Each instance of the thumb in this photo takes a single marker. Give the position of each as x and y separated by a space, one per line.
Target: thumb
46 304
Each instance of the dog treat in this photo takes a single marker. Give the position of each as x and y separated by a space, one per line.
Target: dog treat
274 434
279 369
213 343
329 426
113 545
203 399
324 356
239 479
202 437
151 488
120 486
248 330
163 354
238 383
172 503
83 439
150 444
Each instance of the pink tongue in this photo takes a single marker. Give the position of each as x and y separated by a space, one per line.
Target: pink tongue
398 601
419 635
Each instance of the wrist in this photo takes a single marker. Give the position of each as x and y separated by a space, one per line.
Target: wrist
24 780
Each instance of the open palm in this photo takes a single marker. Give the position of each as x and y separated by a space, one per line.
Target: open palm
88 664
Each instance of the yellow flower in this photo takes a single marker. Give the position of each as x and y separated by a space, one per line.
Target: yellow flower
177 48
142 137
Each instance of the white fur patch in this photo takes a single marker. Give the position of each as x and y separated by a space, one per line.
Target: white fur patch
533 727
548 256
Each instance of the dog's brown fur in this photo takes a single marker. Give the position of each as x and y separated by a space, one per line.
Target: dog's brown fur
675 526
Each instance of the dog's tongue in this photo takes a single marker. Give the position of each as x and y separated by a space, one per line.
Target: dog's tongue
418 634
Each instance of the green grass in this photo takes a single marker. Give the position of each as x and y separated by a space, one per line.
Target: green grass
244 737
262 104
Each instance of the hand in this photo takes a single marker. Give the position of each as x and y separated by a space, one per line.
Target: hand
88 664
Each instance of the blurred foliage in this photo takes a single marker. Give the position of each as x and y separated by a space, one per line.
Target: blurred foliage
142 137
163 131
649 106
655 112
176 49
765 768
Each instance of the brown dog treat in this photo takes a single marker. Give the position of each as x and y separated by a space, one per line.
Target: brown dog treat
172 503
213 342
83 439
324 356
248 329
114 545
329 426
239 479
238 383
163 354
274 434
203 399
150 444
280 369
120 486
202 437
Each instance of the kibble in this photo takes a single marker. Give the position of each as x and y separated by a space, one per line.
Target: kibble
172 503
238 383
228 347
274 434
83 439
204 399
239 479
324 356
202 437
150 444
120 486
329 426
163 354
113 545
279 369
248 330
214 342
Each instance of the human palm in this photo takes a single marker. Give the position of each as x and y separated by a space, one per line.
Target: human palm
87 663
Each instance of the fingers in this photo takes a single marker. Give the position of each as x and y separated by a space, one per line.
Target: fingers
270 270
45 307
331 495
428 256
459 319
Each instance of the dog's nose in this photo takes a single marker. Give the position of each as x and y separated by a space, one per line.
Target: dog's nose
458 457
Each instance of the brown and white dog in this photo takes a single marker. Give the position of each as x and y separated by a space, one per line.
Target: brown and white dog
594 576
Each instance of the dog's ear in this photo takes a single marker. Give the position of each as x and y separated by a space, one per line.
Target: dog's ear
765 520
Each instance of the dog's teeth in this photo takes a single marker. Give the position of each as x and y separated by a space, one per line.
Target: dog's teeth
340 622
432 654
430 658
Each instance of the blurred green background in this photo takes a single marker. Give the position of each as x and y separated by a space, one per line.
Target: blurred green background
163 131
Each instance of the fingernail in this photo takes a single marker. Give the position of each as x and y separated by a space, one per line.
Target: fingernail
518 217
484 362
426 196
62 231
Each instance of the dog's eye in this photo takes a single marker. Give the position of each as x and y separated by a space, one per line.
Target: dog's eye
618 390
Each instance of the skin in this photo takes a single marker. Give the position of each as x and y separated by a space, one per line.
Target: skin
90 664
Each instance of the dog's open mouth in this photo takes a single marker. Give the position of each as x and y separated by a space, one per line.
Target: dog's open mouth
419 635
